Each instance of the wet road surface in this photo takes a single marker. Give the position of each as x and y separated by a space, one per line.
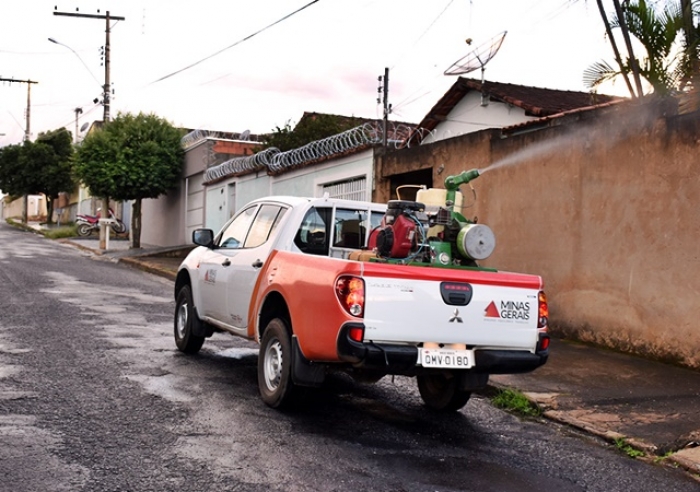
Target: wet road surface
95 397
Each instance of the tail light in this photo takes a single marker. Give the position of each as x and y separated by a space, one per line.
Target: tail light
542 311
351 294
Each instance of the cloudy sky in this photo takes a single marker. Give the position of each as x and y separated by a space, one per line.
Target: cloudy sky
325 58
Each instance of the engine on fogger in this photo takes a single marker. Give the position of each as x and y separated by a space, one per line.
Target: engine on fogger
432 229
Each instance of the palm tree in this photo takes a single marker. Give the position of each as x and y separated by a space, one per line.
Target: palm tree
663 67
691 46
613 43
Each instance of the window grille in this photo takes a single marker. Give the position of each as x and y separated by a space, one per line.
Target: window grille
351 189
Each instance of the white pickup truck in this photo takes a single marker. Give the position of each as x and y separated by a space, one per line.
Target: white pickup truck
326 284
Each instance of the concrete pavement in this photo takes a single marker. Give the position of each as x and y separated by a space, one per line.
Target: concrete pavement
635 403
649 406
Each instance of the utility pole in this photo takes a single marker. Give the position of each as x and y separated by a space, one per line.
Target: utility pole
105 99
387 107
78 111
27 130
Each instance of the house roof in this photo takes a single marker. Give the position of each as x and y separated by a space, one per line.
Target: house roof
535 101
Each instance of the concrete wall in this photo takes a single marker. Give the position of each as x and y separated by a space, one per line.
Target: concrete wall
305 181
605 207
170 219
162 220
36 208
309 181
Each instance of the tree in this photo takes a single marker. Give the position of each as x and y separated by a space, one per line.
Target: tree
665 67
50 161
11 176
613 44
691 46
312 127
41 167
131 158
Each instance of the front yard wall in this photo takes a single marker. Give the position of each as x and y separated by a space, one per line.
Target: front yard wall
604 208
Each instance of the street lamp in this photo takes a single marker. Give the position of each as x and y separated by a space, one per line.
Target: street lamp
79 58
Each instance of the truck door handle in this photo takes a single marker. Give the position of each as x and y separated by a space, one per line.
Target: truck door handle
257 263
226 262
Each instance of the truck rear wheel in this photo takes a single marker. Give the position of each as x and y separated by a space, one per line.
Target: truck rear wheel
275 365
440 392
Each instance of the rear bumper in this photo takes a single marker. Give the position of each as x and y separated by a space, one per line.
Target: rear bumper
401 359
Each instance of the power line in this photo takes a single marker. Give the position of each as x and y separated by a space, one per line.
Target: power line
234 44
424 33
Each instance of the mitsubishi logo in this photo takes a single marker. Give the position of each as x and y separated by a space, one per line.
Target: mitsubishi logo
455 317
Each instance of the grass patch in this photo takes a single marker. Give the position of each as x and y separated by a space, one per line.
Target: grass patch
623 446
516 402
60 232
52 232
661 458
18 224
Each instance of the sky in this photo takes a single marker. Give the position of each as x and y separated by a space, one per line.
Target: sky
325 58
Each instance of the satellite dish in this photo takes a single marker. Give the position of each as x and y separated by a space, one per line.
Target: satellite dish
244 135
84 127
477 58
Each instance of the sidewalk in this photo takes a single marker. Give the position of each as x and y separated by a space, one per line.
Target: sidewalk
157 260
653 407
649 406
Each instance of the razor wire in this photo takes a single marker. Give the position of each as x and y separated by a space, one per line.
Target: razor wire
277 161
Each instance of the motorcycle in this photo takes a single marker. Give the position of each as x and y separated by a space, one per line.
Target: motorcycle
88 223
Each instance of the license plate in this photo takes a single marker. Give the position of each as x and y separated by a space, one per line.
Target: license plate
446 358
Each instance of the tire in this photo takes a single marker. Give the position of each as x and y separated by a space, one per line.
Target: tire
439 392
118 227
84 229
275 365
185 318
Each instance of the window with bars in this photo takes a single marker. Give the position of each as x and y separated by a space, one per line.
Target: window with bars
351 189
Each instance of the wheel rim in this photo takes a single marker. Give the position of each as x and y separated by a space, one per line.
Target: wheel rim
182 320
273 364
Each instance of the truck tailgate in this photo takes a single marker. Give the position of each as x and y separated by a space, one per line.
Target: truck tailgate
497 315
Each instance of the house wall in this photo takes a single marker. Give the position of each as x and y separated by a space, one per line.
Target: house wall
309 181
251 187
305 181
604 209
470 115
36 208
162 223
170 219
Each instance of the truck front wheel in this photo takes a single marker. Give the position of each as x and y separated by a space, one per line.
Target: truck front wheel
275 365
185 318
440 392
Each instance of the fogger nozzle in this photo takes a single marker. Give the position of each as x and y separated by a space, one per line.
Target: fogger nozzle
453 182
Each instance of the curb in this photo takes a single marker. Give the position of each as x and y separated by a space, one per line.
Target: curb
688 459
169 274
80 246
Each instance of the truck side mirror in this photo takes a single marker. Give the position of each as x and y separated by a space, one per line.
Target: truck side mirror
203 237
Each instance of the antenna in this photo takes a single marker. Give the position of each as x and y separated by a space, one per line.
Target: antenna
478 57
245 135
84 127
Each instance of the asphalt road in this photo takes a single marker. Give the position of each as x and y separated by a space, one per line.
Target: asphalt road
95 397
